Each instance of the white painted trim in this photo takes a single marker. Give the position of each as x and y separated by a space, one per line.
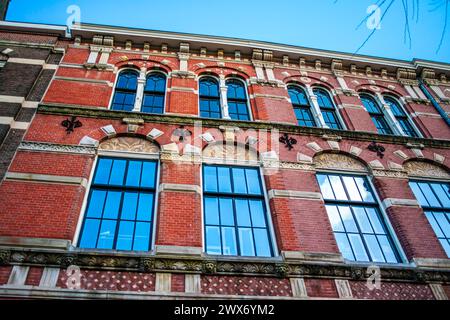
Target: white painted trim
26 61
45 178
12 99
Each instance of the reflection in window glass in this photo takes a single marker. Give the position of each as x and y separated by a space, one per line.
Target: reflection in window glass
356 220
120 207
235 212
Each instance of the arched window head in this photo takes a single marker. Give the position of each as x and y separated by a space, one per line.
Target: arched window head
376 114
154 93
125 93
237 100
302 107
401 116
209 98
327 108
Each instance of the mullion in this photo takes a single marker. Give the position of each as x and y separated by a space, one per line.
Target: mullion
236 227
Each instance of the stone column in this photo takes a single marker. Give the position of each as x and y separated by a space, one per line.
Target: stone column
315 107
224 98
140 90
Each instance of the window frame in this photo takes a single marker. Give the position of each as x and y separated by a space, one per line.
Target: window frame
124 155
381 209
382 113
268 216
247 100
407 116
335 110
115 88
165 90
310 107
431 208
205 97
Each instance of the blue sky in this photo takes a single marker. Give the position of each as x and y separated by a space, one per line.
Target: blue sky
323 24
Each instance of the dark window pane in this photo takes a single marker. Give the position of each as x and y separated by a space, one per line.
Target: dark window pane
223 175
130 201
107 232
370 105
118 172
242 213
134 173
436 228
142 236
229 241
103 171
213 244
262 243
253 183
125 236
257 214
226 211
246 241
96 204
155 82
442 193
148 175
210 176
429 195
211 211
209 87
90 233
112 205
145 208
239 183
443 223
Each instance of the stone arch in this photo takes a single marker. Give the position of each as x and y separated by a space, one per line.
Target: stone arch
228 151
129 144
339 161
423 168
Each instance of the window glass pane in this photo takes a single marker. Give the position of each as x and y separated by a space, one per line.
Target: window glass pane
224 179
125 237
130 200
362 219
112 205
96 203
335 218
253 184
134 173
257 213
442 192
387 249
107 232
364 189
338 188
358 247
434 224
229 241
210 183
211 210
351 188
90 232
429 195
325 187
446 245
103 171
239 183
148 174
344 246
347 218
142 236
145 209
213 245
443 223
209 87
226 212
118 172
242 213
246 242
418 193
375 220
262 243
374 248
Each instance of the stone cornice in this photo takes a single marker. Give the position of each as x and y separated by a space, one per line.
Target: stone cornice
213 265
216 123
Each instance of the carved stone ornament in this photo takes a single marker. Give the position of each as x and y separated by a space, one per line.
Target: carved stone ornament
230 152
425 169
338 162
129 144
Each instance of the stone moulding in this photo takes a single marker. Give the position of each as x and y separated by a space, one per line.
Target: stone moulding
50 147
209 265
216 123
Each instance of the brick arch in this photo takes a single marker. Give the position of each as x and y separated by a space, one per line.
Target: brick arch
139 63
225 71
366 87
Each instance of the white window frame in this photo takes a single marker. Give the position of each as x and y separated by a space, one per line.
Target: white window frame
385 109
411 122
309 97
336 110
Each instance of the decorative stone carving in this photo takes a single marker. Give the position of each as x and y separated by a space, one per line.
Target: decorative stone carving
425 169
339 162
49 147
230 151
129 144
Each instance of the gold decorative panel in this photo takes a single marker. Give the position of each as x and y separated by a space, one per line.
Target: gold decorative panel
129 144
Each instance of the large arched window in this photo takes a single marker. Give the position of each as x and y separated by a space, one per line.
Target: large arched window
237 100
126 88
154 93
209 98
327 108
401 116
302 107
376 114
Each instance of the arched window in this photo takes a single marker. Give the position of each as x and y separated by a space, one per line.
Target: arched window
376 114
154 93
209 98
237 100
327 108
401 116
302 107
126 89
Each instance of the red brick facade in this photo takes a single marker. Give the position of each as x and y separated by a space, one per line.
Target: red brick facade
44 195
